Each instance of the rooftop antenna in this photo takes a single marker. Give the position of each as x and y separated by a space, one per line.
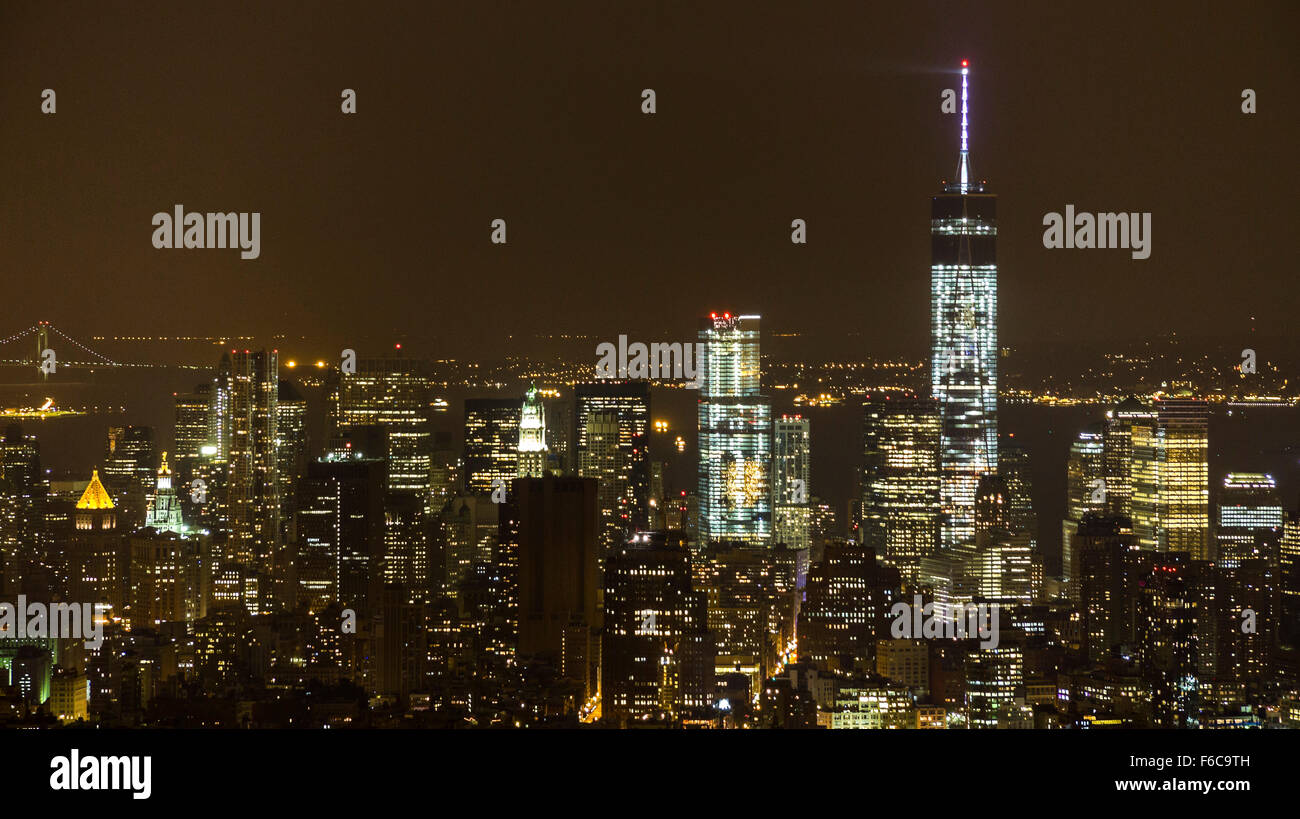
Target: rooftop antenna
963 163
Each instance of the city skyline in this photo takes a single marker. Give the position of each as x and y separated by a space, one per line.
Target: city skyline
599 369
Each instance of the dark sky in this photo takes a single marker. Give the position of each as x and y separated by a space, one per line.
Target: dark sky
376 226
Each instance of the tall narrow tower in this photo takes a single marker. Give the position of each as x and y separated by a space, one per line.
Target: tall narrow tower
532 436
964 332
735 434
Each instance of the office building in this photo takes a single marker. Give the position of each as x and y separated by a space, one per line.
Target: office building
1249 519
791 480
624 504
734 434
533 453
656 653
964 331
1170 477
491 443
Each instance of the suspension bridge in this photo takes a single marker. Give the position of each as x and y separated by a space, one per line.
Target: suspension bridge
54 349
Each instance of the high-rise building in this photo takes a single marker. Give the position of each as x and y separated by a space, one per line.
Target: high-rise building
600 459
1118 445
291 449
1288 581
164 510
341 532
559 433
900 480
905 661
734 434
394 393
27 558
1085 491
1004 561
491 442
846 607
469 525
656 653
1167 625
557 572
964 330
96 553
219 408
387 404
995 677
129 469
192 430
791 487
1014 466
532 436
1106 568
751 608
1249 520
167 578
252 484
627 405
1243 617
1170 476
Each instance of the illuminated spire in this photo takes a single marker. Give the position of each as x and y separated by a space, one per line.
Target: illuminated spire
965 178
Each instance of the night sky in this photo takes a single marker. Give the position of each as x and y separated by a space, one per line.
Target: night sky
376 226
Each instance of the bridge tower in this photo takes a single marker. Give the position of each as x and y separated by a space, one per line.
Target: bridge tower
42 344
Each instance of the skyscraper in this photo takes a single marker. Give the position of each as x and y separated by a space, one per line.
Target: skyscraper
253 486
1105 577
1085 491
96 556
491 442
192 430
900 480
964 331
532 436
1117 438
627 405
557 571
600 459
848 598
291 449
1250 519
129 470
1167 625
164 510
393 393
656 654
341 532
1170 476
25 546
791 462
734 434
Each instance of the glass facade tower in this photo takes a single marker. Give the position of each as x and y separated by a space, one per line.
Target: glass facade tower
735 434
964 333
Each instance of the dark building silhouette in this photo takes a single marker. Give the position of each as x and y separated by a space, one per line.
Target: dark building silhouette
557 548
656 653
846 606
